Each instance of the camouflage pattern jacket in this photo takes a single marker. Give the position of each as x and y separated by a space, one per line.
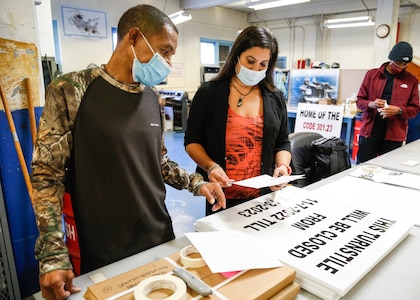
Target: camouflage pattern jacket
51 158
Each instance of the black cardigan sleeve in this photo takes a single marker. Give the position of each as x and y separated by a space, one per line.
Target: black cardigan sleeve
206 124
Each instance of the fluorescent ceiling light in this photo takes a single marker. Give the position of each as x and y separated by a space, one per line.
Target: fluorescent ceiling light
349 22
180 16
264 4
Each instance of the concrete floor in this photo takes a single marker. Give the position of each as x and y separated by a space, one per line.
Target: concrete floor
183 207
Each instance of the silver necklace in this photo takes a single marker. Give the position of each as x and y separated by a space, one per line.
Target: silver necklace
242 95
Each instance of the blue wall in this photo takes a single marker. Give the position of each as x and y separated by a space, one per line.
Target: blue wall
21 220
413 129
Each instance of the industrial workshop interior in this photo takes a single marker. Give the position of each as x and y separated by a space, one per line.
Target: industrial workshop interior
361 220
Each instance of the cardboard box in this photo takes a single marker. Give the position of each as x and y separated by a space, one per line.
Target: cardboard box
288 293
253 284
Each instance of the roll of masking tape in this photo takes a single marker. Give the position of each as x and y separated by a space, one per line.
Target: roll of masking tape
371 169
158 282
191 262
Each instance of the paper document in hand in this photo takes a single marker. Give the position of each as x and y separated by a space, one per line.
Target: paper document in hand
267 180
231 250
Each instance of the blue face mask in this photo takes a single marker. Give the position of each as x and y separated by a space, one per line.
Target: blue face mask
153 72
250 77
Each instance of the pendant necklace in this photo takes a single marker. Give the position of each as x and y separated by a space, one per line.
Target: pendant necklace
242 95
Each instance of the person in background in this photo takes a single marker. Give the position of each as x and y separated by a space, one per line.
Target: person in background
237 126
101 130
388 97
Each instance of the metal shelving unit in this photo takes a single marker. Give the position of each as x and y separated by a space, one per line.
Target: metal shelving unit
9 285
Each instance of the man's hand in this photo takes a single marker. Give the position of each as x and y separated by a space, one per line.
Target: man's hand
377 104
389 110
214 194
58 285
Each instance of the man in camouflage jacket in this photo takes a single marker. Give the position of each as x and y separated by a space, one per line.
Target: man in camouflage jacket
102 133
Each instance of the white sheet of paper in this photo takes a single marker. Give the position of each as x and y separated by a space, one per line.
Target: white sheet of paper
390 177
231 250
410 163
266 180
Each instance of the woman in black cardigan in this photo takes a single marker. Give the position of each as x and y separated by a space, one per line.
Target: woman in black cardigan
237 126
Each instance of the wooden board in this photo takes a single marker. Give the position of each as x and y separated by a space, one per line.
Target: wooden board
253 284
19 60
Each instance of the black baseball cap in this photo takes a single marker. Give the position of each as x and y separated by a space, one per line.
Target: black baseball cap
402 51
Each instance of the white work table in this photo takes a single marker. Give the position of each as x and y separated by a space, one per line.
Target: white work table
395 277
395 160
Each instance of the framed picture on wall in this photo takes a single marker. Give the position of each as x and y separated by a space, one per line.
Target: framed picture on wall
84 22
316 86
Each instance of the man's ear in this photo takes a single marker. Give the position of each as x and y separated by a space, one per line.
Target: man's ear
134 35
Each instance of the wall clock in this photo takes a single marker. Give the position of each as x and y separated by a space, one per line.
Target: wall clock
382 31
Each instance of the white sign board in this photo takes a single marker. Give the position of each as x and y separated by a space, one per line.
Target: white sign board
324 119
331 244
